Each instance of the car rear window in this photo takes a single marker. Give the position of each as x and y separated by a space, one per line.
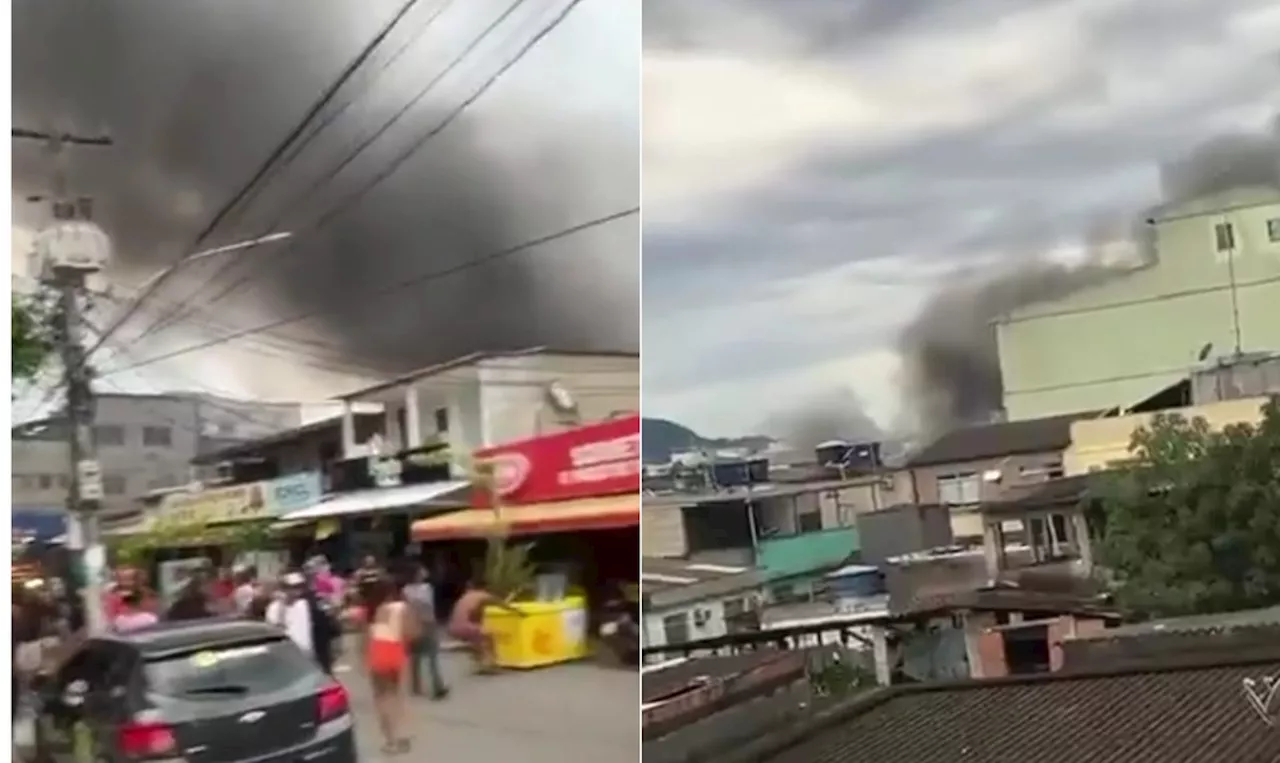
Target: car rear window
255 667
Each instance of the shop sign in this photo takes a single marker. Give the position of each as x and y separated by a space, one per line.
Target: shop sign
594 460
293 493
239 503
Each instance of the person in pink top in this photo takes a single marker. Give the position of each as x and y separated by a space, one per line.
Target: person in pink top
132 614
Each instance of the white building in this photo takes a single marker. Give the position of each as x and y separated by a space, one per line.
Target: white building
687 601
488 399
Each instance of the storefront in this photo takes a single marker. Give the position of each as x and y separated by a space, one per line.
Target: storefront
373 501
221 525
574 497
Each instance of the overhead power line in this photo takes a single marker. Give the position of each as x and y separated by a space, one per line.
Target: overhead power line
272 159
169 319
358 301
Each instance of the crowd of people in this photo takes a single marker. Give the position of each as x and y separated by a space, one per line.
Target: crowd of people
389 610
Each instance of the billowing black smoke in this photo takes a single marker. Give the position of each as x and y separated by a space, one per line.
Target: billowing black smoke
196 97
951 366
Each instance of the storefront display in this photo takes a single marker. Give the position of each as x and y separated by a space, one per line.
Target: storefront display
573 498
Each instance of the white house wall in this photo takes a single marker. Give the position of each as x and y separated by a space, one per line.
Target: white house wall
655 635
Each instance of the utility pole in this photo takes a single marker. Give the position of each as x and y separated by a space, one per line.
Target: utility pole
70 249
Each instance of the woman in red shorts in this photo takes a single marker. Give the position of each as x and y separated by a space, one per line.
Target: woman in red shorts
389 629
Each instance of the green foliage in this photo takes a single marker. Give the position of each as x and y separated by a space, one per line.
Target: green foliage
508 571
31 339
1192 522
839 678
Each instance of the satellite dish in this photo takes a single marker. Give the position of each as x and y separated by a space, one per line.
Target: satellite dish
1203 355
561 400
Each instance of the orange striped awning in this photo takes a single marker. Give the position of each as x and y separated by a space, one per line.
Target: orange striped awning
604 513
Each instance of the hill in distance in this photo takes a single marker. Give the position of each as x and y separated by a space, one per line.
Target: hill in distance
661 438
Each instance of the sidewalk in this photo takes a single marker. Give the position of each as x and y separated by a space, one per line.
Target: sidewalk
578 711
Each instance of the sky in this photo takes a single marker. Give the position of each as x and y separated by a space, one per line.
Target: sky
197 94
815 169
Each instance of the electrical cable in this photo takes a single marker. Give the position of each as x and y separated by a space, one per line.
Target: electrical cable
392 288
168 320
276 154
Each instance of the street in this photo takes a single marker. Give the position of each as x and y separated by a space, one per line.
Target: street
577 711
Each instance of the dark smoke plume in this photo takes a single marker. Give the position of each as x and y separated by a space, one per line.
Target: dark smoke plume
951 365
196 96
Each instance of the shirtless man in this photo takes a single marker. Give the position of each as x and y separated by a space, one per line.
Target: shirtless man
466 622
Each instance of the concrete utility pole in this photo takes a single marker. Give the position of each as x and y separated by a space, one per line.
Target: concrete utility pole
70 249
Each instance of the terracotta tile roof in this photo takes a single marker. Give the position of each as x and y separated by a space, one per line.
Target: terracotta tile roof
1005 438
1189 714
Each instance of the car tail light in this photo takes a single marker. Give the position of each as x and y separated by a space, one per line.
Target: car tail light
333 702
147 740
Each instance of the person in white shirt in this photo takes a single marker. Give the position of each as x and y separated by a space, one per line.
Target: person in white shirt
292 612
246 589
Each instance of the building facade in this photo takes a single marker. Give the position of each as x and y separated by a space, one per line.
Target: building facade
969 467
145 443
489 399
1213 291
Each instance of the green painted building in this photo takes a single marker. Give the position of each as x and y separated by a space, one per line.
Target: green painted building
1215 282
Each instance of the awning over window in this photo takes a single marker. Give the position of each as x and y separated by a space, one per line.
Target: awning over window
440 495
561 516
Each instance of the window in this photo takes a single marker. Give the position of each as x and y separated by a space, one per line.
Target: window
442 420
108 434
114 484
1273 230
157 437
1224 237
676 628
64 481
963 489
46 481
809 522
258 667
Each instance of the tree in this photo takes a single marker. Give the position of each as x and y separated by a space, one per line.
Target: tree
1192 521
30 338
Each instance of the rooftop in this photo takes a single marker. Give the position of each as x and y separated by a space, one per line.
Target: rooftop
1006 438
759 492
668 582
243 449
474 359
1187 712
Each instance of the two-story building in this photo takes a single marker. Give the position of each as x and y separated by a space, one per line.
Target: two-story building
487 399
1211 290
972 466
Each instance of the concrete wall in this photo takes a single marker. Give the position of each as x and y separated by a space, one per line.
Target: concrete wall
654 633
903 530
662 531
1120 341
1098 443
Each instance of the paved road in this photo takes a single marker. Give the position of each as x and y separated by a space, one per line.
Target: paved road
563 713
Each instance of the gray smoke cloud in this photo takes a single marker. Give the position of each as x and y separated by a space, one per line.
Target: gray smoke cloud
196 97
950 360
835 416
